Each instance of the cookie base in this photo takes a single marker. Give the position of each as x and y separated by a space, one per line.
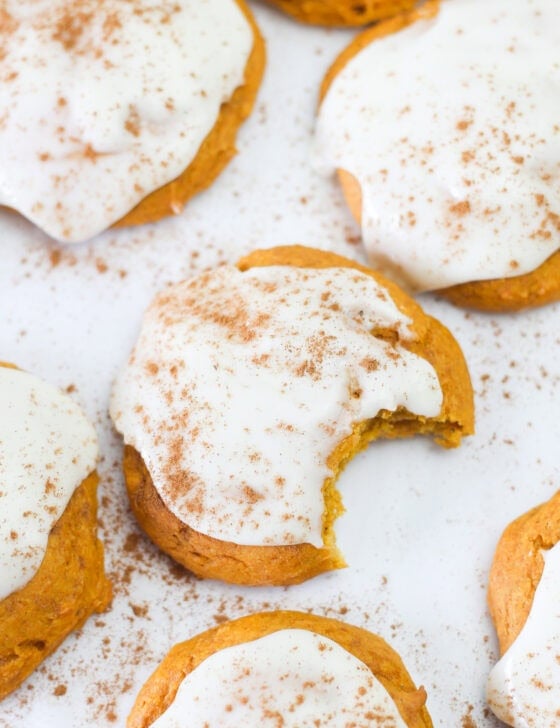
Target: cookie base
69 586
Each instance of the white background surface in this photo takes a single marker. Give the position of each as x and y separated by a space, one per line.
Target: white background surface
421 523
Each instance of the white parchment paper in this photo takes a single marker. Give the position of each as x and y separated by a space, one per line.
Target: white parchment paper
421 523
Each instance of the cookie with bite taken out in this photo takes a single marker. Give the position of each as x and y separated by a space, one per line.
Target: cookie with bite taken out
250 388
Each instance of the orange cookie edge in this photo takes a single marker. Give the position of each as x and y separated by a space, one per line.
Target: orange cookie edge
160 689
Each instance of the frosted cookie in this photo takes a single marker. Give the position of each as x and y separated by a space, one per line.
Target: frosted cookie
250 388
281 668
51 562
116 113
443 126
342 12
523 596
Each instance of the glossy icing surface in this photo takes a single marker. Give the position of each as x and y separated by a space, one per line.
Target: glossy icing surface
242 384
105 101
451 129
47 448
291 678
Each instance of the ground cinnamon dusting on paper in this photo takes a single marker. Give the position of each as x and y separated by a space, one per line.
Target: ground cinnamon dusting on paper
467 721
132 122
90 153
251 495
54 257
140 610
8 24
110 24
69 28
370 365
307 368
460 208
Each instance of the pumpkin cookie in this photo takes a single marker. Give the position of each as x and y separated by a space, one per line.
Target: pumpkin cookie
282 668
117 113
51 562
523 596
252 386
443 126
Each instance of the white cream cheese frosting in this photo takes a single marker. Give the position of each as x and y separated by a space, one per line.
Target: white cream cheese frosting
47 448
451 129
242 384
104 101
524 686
293 678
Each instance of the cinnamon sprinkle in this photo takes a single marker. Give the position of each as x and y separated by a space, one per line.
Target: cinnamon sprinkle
69 28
